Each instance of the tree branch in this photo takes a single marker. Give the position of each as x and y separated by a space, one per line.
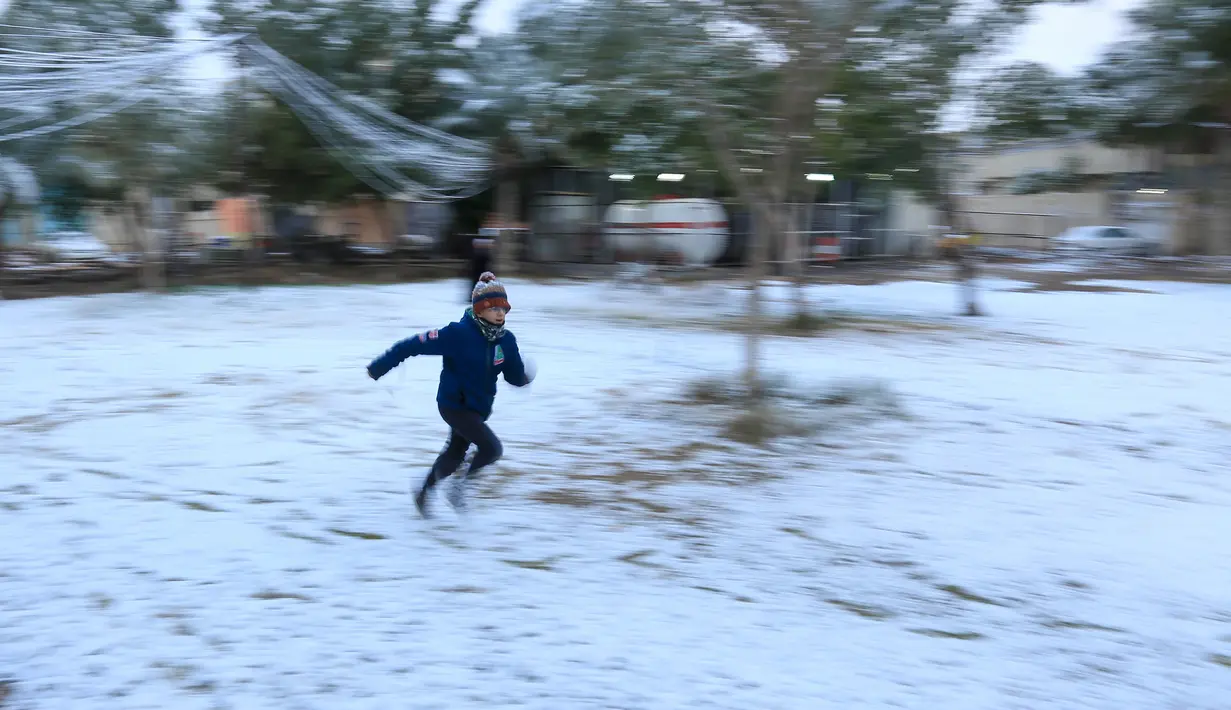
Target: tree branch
807 77
718 135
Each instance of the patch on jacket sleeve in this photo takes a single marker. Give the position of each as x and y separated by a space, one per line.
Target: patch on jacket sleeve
429 335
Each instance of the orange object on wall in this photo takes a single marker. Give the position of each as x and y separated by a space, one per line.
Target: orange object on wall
235 214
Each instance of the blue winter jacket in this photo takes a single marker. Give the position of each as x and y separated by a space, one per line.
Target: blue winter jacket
471 363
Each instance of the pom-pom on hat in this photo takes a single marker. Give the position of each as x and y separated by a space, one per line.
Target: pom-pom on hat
489 293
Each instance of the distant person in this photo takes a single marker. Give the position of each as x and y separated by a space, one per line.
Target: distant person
480 260
476 350
961 251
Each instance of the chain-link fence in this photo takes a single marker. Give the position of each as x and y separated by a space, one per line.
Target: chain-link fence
157 243
570 226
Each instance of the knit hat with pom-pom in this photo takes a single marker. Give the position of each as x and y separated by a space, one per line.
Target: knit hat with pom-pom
489 293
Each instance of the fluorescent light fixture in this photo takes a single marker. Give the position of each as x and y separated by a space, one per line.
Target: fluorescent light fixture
879 176
622 177
670 177
1152 191
906 170
820 177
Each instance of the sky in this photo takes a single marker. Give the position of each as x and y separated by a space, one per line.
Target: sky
1069 37
1065 37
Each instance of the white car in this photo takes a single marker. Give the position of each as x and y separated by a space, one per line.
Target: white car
73 246
1110 240
416 242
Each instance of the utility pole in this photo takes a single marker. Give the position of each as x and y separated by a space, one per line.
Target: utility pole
507 200
244 129
4 205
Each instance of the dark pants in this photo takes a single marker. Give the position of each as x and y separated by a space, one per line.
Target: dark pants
465 428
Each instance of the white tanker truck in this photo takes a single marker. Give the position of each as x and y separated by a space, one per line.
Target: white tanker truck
692 232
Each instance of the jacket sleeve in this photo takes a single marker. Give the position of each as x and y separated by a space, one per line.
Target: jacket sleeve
432 342
515 371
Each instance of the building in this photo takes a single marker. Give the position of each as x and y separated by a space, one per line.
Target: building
1021 196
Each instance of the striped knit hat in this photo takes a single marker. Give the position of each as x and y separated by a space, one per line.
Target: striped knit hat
489 293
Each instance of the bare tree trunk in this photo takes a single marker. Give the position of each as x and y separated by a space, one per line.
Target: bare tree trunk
967 274
251 255
966 263
782 225
757 249
795 106
1221 242
1191 221
507 200
801 228
4 207
139 209
1205 208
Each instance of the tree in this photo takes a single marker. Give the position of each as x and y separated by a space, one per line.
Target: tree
552 93
1030 100
743 83
394 53
134 143
96 60
18 188
643 84
1169 85
558 89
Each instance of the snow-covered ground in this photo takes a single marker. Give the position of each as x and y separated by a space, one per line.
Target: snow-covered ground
203 504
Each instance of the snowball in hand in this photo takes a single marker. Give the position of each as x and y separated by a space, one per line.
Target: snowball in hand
531 368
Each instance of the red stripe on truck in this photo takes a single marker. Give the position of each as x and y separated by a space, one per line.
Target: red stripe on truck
670 225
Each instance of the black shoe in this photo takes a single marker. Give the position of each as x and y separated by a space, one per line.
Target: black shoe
421 499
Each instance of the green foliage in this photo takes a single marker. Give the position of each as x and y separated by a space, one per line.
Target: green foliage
149 18
1029 100
1168 83
1171 80
888 108
388 51
756 90
137 145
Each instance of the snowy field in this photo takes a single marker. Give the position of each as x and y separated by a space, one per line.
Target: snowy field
203 504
